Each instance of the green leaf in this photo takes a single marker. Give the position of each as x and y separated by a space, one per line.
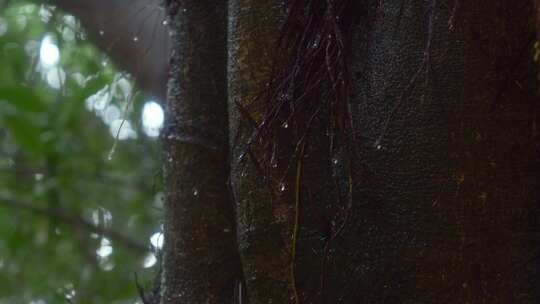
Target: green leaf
25 133
22 98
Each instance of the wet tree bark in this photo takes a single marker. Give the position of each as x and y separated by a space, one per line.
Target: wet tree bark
445 108
445 99
264 206
201 263
537 44
446 211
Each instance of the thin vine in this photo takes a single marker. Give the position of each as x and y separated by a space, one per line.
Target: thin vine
308 86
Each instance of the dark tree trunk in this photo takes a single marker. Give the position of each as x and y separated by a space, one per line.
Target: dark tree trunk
445 100
537 43
264 212
446 208
201 263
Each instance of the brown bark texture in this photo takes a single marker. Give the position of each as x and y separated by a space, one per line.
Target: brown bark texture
263 205
446 209
201 263
445 98
537 44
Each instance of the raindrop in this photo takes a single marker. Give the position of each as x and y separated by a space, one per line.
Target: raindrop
195 191
335 161
284 96
135 39
111 152
165 22
285 125
282 187
241 157
273 160
101 32
378 147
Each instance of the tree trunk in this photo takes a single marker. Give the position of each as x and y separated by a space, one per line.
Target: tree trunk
445 99
537 43
264 209
201 263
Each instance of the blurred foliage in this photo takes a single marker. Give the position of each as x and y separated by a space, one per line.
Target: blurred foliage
63 204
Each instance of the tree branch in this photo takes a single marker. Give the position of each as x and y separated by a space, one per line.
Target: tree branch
131 33
75 221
